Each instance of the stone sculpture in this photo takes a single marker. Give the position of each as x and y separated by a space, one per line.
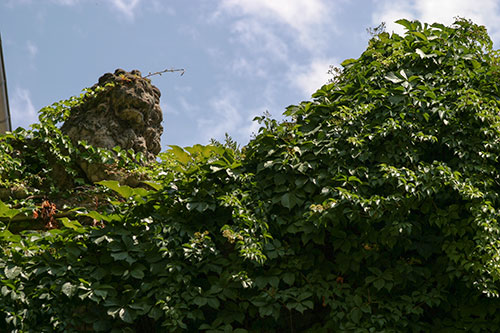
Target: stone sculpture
126 113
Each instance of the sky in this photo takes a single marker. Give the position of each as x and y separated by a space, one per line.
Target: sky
242 58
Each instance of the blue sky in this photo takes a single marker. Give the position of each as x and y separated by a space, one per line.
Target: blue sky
242 57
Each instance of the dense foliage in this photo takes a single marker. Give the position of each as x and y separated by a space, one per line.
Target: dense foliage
375 209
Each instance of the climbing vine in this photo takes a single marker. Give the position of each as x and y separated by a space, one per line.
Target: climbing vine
374 208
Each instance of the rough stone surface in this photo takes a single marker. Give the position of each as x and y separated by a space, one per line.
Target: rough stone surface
127 114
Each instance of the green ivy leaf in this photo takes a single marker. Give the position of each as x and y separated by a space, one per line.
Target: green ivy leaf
124 190
419 35
200 301
179 153
289 278
11 272
379 283
348 62
6 211
68 289
118 256
288 200
213 302
405 23
125 315
393 78
75 225
102 217
356 315
357 300
137 272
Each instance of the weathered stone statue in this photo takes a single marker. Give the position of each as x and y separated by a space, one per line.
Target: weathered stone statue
126 114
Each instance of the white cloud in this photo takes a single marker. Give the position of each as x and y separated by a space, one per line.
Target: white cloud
249 67
190 31
310 78
275 33
183 89
187 107
224 117
444 11
160 7
300 15
32 49
22 111
66 2
484 12
260 39
299 19
168 109
390 11
226 113
12 3
126 7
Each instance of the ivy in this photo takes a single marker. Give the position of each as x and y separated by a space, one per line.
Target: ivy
373 208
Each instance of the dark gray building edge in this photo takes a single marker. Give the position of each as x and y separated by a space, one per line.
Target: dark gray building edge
5 120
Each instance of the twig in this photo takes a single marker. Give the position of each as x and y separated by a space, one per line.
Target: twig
165 71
